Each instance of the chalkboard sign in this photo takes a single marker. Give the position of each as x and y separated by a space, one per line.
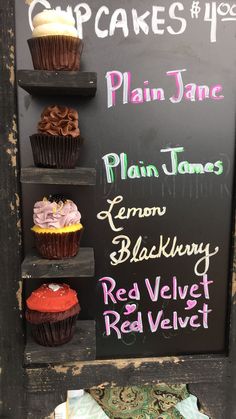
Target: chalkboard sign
161 134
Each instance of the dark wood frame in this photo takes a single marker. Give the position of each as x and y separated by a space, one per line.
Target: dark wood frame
35 392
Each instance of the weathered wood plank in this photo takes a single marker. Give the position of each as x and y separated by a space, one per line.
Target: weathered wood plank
211 397
79 176
81 348
42 405
231 372
12 395
82 265
41 82
127 372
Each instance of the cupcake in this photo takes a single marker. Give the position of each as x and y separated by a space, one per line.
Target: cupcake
57 143
52 311
55 44
57 228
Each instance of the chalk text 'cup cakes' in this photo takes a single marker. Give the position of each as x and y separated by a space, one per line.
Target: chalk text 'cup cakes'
57 143
52 311
57 228
55 44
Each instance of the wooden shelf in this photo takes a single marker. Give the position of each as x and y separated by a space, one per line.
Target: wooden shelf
130 372
82 265
42 82
79 176
80 348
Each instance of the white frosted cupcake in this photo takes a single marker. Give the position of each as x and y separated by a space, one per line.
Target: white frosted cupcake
55 44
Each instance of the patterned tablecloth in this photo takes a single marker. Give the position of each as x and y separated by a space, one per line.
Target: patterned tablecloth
151 402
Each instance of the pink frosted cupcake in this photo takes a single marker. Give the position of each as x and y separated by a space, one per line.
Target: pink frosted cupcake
57 228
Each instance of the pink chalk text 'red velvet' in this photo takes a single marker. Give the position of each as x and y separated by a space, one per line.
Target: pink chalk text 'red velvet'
157 291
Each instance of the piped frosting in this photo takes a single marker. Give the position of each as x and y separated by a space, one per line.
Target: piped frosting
54 22
59 120
52 298
56 215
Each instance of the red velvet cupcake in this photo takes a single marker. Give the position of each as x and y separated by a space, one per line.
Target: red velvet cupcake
52 311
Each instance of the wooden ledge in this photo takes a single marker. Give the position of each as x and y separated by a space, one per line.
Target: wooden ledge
42 82
82 265
79 176
80 348
128 372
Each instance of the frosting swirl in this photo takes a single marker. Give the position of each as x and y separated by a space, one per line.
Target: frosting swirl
47 300
59 120
54 22
55 215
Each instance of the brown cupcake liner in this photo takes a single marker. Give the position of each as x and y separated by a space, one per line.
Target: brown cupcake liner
39 317
54 334
55 151
56 52
58 245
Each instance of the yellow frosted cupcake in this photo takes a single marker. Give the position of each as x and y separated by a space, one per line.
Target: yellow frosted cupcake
57 228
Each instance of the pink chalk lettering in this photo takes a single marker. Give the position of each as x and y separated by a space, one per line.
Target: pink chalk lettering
108 292
182 322
215 90
157 94
175 292
190 92
190 304
146 92
126 87
112 318
165 324
153 294
183 291
119 294
179 85
174 288
112 325
192 321
154 325
134 293
137 96
205 312
125 326
137 325
178 290
163 292
203 92
175 321
193 290
114 82
205 284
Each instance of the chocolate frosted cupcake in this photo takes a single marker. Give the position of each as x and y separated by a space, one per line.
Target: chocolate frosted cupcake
57 228
52 311
55 44
57 143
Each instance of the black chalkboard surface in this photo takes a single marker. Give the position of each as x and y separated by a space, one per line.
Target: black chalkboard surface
161 134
